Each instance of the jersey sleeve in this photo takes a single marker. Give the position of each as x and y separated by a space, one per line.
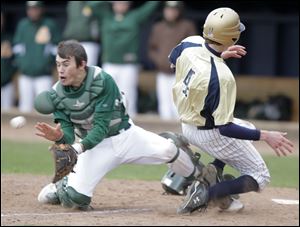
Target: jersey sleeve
99 9
239 132
144 12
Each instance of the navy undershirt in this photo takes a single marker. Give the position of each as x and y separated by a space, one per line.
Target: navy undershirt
239 132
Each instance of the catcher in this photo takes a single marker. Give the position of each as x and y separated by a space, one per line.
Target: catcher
94 134
87 104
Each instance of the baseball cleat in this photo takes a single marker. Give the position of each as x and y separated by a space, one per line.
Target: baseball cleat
48 195
235 206
196 198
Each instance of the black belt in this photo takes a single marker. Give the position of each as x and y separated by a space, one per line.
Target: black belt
122 130
205 127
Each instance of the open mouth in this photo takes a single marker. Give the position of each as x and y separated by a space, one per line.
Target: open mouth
62 78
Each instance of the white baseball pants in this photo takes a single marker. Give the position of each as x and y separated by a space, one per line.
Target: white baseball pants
126 77
29 88
166 106
7 96
92 50
134 145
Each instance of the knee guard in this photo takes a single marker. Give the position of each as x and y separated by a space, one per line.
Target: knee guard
171 182
70 198
182 143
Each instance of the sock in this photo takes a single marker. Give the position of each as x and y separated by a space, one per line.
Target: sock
240 185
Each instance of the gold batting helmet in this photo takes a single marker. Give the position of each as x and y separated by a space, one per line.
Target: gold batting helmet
223 26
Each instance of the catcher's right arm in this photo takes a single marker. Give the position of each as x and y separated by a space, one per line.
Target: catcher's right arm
65 158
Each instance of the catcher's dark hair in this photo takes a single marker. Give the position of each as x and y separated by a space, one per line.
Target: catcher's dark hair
72 48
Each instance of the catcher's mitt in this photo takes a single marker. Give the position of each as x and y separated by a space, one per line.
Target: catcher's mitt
65 158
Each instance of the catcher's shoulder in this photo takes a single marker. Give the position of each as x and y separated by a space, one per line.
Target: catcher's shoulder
43 102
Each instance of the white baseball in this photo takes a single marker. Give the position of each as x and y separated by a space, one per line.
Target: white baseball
18 122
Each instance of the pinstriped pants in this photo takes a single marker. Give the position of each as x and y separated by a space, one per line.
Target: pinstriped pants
239 154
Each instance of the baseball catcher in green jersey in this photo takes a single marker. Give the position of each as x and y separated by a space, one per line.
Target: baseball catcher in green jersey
94 133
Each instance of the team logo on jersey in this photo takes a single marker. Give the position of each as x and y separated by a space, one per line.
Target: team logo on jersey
78 104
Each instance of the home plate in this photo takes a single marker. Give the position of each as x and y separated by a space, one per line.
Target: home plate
286 201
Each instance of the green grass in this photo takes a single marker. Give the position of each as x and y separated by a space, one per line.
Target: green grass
34 158
22 157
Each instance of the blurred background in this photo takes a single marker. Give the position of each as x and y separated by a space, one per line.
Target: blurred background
267 77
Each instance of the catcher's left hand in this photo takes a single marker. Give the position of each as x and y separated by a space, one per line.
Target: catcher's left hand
65 158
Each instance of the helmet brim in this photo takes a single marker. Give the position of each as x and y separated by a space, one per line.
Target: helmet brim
242 27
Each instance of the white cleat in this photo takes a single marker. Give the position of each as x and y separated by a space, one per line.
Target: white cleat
235 206
48 195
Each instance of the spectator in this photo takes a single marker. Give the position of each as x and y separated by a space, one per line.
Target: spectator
7 69
166 34
82 27
34 46
120 29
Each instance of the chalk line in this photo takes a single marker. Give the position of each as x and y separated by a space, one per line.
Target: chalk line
79 212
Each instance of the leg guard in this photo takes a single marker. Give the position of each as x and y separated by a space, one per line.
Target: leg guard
70 198
171 182
175 184
181 142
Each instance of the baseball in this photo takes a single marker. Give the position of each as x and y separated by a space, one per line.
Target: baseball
18 122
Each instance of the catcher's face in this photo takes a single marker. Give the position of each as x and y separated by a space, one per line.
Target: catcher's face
68 73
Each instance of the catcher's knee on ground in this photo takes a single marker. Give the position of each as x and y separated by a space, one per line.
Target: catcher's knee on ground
70 198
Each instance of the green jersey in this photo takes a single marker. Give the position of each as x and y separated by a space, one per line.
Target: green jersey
34 46
121 34
80 26
93 112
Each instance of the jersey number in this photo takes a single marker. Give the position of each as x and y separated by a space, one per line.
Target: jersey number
186 82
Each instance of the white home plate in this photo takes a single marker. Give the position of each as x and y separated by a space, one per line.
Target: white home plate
286 201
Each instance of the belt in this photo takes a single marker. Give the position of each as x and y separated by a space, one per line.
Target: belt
205 127
122 130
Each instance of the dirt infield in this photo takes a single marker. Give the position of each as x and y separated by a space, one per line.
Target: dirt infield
121 202
140 203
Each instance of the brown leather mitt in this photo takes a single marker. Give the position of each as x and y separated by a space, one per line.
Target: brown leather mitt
65 158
